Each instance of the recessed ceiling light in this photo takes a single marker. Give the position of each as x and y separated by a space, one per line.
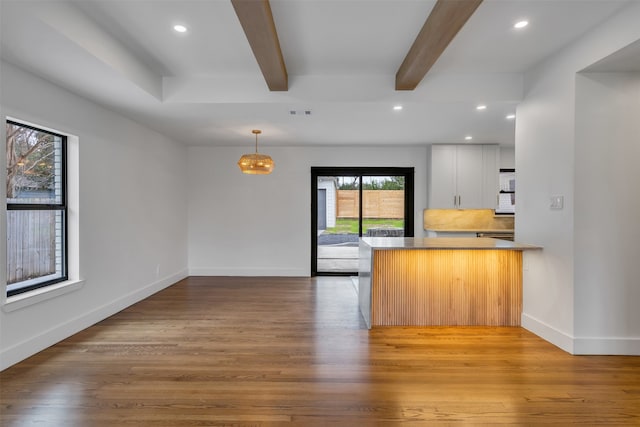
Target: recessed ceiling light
468 138
520 24
481 107
180 28
511 116
397 107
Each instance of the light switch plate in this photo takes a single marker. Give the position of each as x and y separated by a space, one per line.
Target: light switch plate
556 202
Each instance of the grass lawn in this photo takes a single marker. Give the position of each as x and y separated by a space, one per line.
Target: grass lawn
350 226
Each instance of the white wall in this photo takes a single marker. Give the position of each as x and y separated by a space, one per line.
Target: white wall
607 231
544 165
507 157
261 224
132 213
549 162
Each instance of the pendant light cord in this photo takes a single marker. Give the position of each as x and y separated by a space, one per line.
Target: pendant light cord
256 132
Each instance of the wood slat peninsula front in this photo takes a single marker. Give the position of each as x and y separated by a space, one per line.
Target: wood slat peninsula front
440 281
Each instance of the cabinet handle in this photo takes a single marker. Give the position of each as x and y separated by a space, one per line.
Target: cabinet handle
459 201
455 201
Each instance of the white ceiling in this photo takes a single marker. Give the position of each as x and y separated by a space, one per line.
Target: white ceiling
205 88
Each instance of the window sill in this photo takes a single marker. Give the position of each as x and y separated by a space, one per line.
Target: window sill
36 296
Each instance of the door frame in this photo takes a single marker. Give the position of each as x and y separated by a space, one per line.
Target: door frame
317 171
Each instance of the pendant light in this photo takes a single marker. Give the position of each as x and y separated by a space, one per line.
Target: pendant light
256 164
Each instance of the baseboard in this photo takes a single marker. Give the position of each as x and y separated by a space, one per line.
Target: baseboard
607 346
12 355
548 333
602 346
248 272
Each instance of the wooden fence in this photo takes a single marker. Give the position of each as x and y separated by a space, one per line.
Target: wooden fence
31 244
387 204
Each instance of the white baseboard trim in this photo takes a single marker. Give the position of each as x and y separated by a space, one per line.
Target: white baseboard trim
16 353
548 333
607 346
248 272
602 346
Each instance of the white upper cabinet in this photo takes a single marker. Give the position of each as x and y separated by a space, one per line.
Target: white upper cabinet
442 185
464 177
469 177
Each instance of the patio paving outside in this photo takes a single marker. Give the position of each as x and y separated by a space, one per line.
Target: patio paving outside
337 253
339 259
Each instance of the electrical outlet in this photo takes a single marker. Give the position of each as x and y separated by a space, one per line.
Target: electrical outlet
556 202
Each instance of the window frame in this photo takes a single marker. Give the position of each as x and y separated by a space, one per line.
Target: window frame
62 207
316 171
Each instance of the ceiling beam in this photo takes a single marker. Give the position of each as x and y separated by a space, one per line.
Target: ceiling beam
257 22
445 20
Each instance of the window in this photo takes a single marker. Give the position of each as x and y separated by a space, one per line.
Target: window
36 208
352 202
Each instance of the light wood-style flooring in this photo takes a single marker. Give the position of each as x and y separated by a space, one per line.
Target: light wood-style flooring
212 351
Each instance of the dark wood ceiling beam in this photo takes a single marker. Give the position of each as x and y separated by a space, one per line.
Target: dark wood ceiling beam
257 22
445 20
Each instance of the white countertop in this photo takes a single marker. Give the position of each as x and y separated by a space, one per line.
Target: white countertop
471 230
444 243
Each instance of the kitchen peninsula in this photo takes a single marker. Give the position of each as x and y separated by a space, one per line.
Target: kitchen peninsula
440 281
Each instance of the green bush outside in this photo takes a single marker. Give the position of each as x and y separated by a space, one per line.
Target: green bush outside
350 225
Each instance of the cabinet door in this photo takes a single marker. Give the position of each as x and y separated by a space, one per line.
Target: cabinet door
442 185
469 167
491 183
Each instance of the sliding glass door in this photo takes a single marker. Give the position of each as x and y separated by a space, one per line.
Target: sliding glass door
348 203
337 230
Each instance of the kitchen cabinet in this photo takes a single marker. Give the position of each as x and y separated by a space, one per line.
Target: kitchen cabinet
464 177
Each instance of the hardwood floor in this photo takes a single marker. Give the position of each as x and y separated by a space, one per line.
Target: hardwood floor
294 352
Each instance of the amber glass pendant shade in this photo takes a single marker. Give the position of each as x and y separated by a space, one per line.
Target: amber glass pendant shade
256 164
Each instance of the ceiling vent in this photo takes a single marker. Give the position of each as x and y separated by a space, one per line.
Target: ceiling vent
299 112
